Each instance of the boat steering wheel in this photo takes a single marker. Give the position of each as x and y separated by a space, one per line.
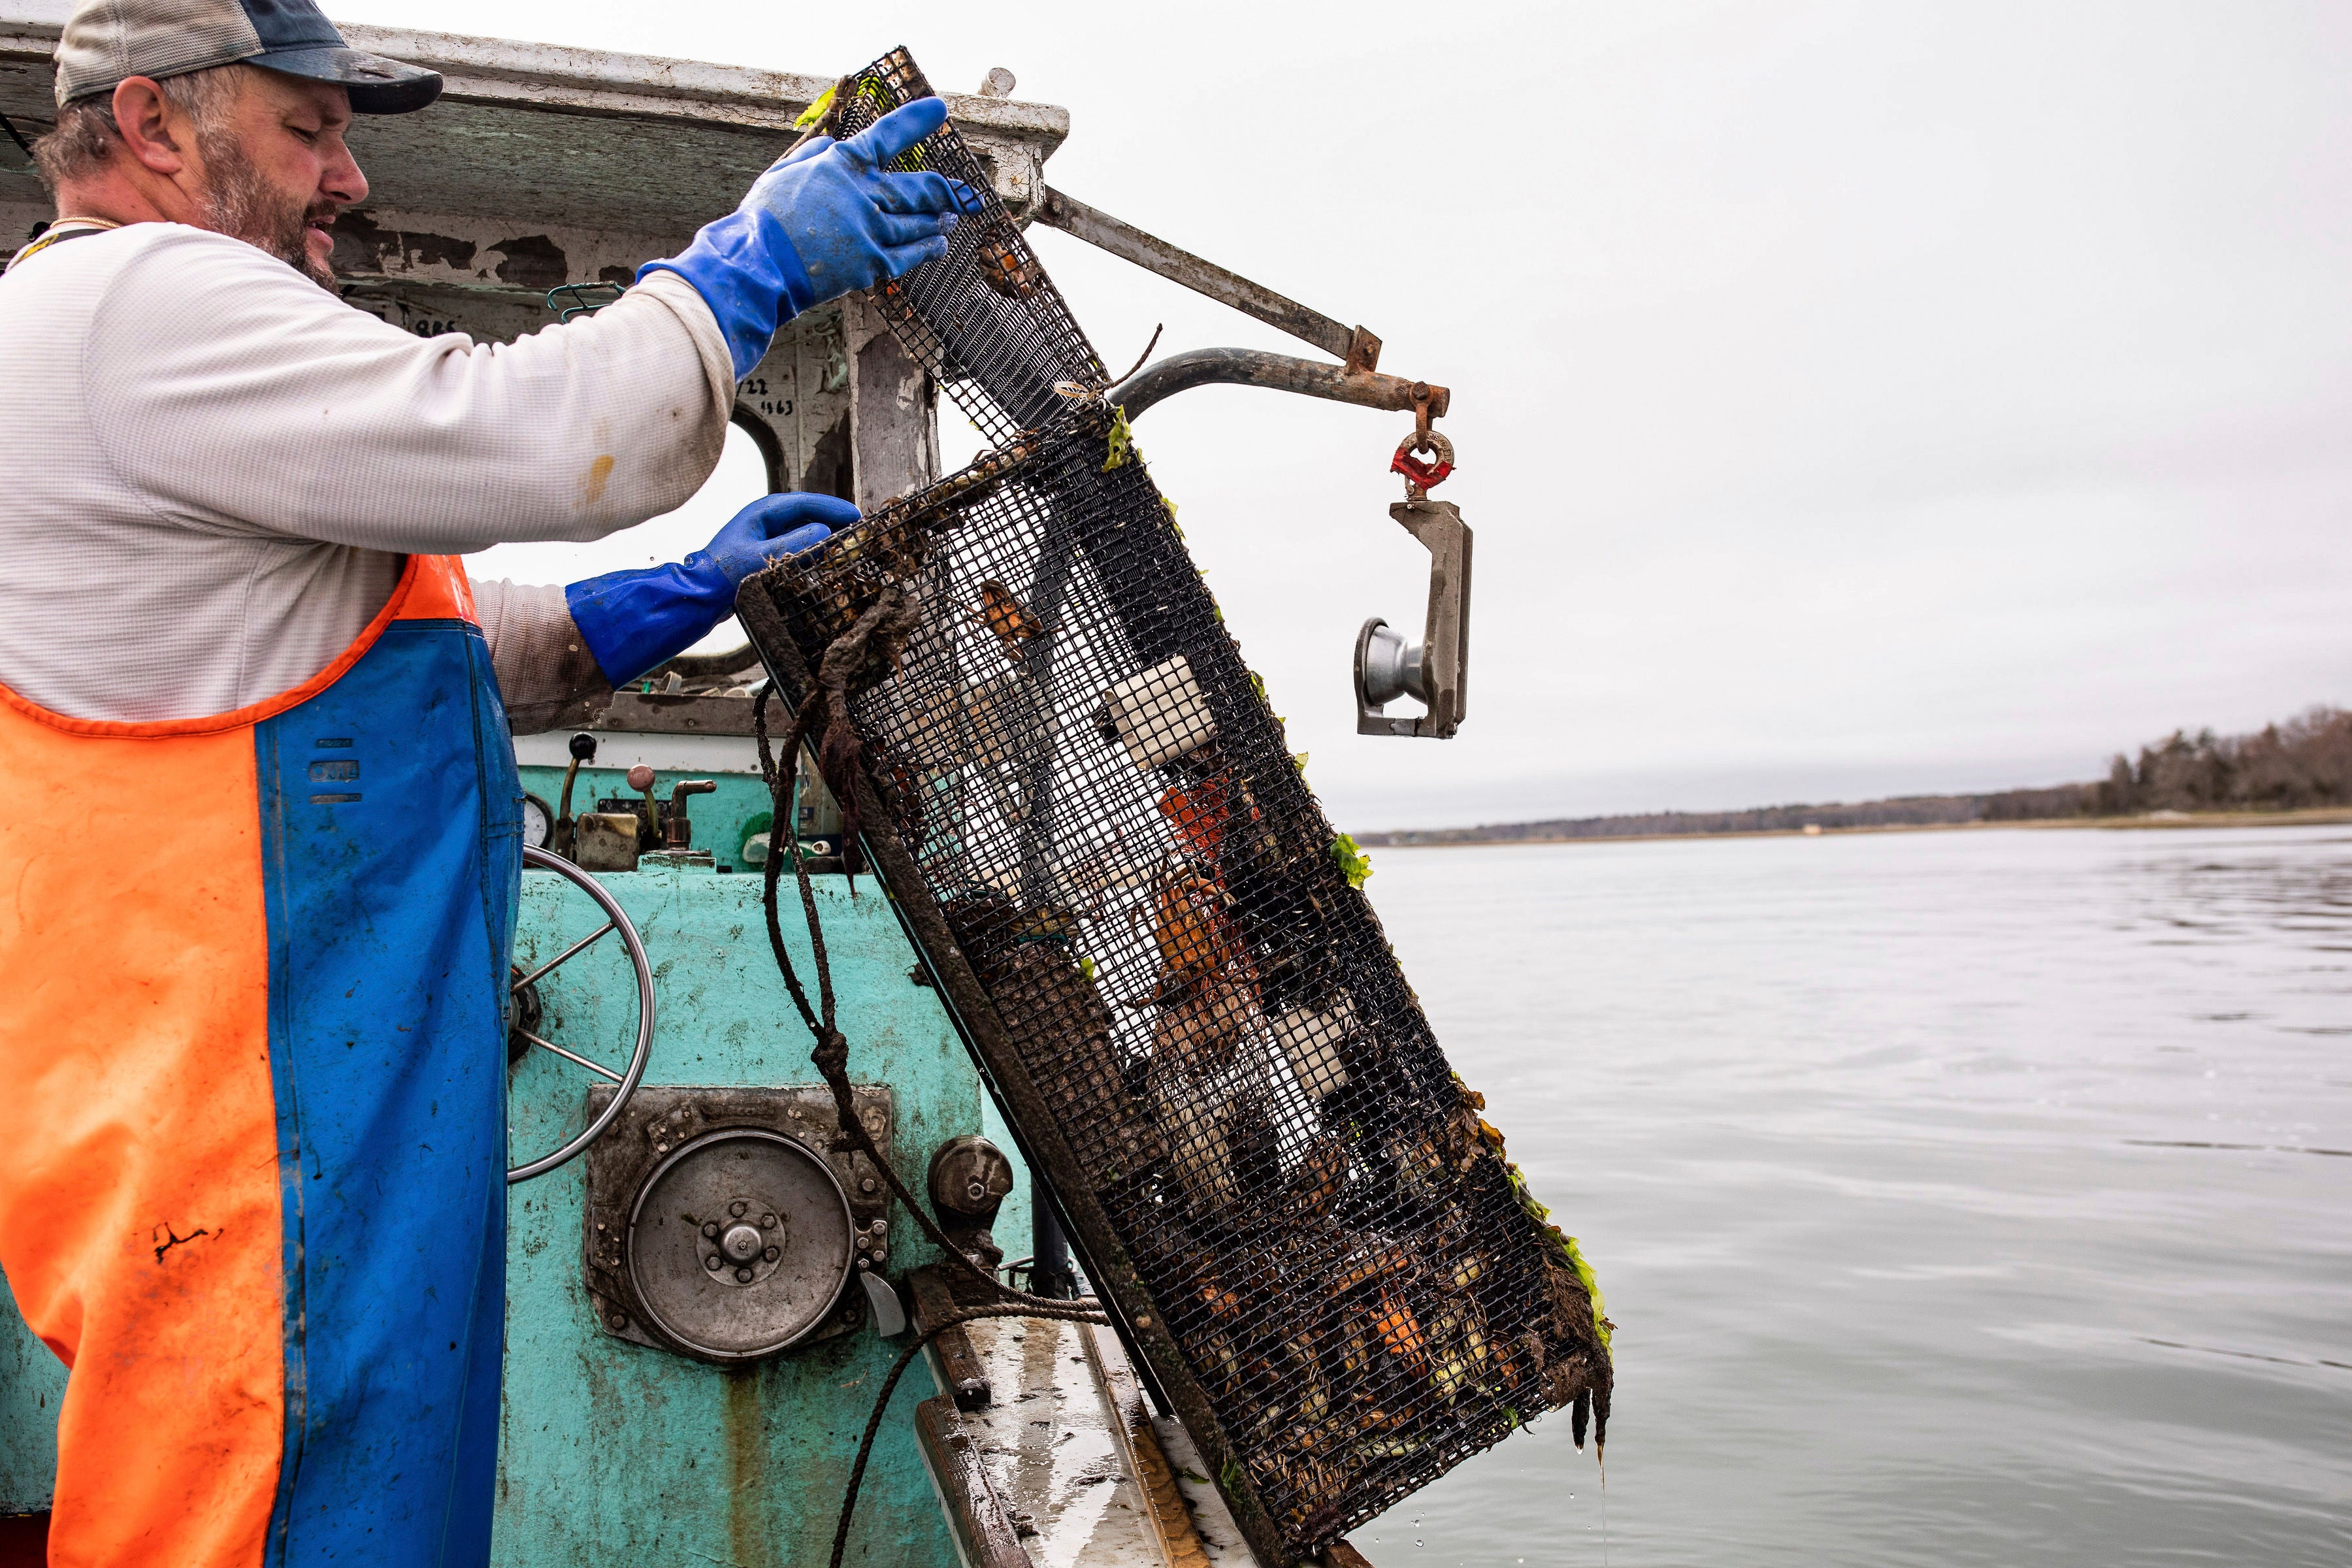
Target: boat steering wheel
523 1011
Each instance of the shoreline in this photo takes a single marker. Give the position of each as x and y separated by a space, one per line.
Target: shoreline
2312 817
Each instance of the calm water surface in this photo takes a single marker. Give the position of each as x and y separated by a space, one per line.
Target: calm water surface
1960 1198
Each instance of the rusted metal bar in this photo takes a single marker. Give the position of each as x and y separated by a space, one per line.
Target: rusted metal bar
1358 347
985 1535
1253 367
935 1303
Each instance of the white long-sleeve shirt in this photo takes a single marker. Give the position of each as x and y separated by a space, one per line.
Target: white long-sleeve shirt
211 468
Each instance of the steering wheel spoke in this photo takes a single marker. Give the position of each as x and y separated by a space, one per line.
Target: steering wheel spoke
625 1082
564 957
599 1068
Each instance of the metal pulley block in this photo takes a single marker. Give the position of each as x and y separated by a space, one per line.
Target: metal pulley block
1387 668
1436 672
724 1224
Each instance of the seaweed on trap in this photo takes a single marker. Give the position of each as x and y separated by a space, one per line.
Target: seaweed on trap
1087 814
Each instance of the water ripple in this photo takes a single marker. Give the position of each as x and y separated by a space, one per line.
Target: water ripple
1935 1182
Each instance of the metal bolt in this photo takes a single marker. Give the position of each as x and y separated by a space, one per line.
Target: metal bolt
738 1207
742 1277
712 1262
881 1228
616 1323
1143 1322
867 1185
772 1254
710 1228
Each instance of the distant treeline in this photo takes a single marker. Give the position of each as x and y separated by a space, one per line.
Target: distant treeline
2305 761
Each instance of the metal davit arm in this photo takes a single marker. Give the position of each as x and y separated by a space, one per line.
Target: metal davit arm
1355 345
1281 373
1355 380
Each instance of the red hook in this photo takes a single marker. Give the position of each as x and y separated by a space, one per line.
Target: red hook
1424 475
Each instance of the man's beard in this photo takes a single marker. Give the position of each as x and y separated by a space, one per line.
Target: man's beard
240 203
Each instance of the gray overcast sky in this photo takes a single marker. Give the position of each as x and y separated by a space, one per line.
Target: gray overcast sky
1850 397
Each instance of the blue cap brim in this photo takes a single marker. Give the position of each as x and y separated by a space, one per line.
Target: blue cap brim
376 85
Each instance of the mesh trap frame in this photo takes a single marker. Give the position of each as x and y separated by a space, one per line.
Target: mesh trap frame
1085 811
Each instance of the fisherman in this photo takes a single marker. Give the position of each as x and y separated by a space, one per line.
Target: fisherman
258 875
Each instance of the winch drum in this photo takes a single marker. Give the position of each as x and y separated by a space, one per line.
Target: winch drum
740 1244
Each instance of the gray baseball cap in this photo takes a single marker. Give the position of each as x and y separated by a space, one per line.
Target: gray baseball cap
107 40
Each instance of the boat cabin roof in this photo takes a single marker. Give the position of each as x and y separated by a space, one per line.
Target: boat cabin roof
539 164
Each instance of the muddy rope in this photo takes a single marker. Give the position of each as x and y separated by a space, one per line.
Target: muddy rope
1069 1313
893 617
838 756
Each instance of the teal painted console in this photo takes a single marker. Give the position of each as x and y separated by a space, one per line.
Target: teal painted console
616 1453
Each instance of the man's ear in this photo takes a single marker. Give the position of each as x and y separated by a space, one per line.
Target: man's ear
151 129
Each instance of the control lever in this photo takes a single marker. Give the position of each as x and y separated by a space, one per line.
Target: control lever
678 833
641 778
565 840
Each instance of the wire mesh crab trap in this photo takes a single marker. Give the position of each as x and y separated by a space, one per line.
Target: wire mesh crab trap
1084 810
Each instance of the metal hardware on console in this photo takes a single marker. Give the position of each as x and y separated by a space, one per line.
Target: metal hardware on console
1089 820
722 1224
606 840
969 1177
677 830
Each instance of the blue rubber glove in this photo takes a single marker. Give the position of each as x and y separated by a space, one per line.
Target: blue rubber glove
821 222
634 621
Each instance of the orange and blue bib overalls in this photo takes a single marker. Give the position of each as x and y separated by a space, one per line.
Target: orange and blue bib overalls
252 1104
